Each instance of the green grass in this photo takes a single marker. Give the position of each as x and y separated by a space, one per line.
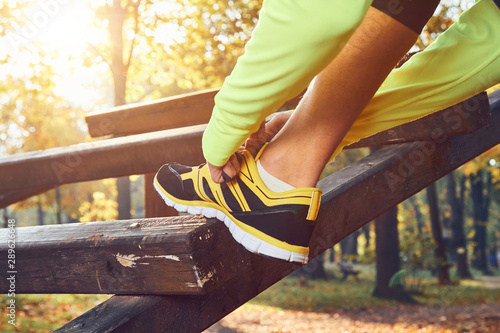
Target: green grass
335 294
45 313
319 296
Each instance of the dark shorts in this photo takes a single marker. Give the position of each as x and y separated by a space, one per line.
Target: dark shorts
412 13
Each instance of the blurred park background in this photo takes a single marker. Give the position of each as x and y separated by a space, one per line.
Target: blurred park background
60 60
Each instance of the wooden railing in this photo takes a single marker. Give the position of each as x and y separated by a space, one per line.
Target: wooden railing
202 273
145 153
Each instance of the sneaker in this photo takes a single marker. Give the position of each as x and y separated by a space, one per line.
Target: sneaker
277 225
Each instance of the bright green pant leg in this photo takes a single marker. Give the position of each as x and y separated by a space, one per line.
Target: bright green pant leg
293 41
462 62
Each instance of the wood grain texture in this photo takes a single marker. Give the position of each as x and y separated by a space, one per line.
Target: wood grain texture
166 113
352 197
462 118
145 153
196 108
10 197
139 154
177 255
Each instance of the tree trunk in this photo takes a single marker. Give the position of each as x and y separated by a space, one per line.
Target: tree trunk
440 250
41 214
366 232
124 202
387 253
481 199
315 269
6 217
332 254
58 206
493 255
119 71
418 215
349 246
118 67
459 240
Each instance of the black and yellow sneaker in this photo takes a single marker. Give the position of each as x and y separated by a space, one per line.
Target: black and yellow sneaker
278 225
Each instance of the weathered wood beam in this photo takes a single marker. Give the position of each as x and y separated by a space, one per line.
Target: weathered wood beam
166 113
145 153
462 118
351 199
177 255
107 248
108 241
111 246
139 154
11 197
196 108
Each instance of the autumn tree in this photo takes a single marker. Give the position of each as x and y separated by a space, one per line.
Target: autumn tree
439 250
34 117
197 41
387 257
480 184
456 202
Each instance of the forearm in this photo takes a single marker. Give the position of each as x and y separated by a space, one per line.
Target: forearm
462 62
293 41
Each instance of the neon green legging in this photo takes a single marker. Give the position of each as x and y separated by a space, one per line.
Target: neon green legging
295 39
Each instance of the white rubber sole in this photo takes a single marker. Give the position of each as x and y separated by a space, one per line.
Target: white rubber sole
249 242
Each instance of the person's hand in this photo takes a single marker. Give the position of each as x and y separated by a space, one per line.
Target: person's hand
226 172
253 144
266 132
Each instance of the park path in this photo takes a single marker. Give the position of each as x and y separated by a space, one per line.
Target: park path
478 318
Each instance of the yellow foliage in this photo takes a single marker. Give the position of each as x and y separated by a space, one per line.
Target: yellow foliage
471 234
100 209
134 178
471 168
495 176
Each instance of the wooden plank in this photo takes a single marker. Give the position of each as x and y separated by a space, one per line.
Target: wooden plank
11 197
154 204
176 255
462 118
196 108
398 171
118 157
106 250
145 153
166 113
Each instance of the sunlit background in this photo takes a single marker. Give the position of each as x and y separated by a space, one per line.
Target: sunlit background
67 32
59 60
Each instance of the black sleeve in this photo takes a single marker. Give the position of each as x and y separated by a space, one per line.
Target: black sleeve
412 13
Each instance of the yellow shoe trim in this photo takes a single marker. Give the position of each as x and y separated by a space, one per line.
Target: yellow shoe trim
314 206
248 229
238 195
299 196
